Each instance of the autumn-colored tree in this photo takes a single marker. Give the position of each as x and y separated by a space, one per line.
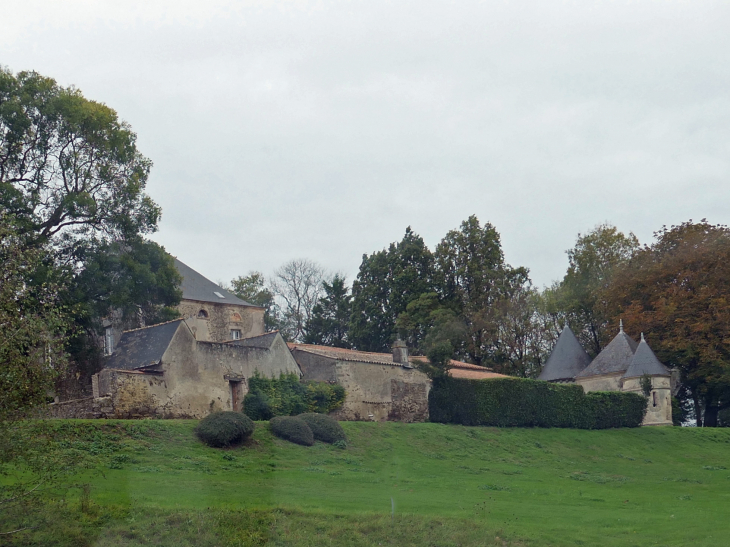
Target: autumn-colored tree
677 292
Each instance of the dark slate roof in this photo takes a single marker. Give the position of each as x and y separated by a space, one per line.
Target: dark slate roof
567 359
142 347
645 362
196 287
615 357
263 341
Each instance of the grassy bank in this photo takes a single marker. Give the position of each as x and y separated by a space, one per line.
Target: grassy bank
395 484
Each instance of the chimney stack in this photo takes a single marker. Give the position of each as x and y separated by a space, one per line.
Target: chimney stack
400 352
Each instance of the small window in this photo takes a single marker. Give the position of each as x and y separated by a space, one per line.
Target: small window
219 295
108 341
236 317
653 398
235 334
202 314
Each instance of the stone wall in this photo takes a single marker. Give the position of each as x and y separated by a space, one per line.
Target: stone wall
607 382
385 392
86 408
222 318
659 408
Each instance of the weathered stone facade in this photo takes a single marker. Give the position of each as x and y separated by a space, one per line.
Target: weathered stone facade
212 322
377 388
183 377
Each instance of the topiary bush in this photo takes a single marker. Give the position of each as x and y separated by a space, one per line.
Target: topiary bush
324 428
516 402
293 429
222 429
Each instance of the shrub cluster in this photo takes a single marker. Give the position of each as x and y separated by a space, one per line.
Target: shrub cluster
516 402
288 396
324 428
292 428
222 429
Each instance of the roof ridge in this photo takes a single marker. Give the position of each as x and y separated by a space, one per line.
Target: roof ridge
155 325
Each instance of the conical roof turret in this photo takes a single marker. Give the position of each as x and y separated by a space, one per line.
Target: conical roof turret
615 357
567 359
645 362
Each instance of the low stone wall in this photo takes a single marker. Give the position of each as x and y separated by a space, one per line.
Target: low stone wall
86 408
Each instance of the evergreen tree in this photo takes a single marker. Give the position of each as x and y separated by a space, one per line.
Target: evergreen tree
329 323
387 282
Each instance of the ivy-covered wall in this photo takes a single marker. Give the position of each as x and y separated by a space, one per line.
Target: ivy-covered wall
516 402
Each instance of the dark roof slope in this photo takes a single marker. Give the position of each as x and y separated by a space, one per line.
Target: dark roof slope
197 287
567 359
645 362
142 347
263 341
615 357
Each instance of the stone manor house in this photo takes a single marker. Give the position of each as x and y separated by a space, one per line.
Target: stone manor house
202 361
619 367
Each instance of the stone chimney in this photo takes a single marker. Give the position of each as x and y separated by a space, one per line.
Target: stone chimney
400 352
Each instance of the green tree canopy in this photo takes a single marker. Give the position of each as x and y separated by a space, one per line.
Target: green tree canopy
330 321
579 299
252 288
68 166
387 282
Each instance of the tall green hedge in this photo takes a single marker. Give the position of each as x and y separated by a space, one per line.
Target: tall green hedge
288 396
516 402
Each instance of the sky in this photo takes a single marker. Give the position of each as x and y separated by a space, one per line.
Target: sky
321 130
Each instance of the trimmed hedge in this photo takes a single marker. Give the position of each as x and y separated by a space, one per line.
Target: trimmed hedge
288 396
293 429
222 429
324 428
517 402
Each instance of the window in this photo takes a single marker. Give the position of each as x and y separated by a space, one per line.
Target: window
653 398
235 334
202 314
108 341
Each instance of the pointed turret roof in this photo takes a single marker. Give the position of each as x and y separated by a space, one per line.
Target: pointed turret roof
615 357
645 362
567 359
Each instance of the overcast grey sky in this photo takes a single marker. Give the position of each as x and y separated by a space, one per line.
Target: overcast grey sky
281 130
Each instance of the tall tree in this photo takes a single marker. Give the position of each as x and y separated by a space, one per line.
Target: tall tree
473 278
677 292
330 321
252 288
68 166
298 286
387 282
580 298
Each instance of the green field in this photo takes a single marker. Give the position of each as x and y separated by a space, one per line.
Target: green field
395 484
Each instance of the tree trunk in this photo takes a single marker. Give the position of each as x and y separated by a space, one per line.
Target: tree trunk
711 411
698 409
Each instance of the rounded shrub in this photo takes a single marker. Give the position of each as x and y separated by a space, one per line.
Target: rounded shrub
324 428
293 429
222 429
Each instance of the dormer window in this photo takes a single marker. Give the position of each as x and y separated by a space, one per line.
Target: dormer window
202 314
235 334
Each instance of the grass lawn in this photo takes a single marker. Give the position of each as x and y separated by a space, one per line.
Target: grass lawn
395 484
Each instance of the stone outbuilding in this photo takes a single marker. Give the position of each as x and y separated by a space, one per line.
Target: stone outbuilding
379 386
164 371
621 366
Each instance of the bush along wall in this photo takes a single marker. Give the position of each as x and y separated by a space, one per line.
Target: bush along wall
288 396
516 402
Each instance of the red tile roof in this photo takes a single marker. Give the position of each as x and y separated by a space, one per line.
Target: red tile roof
458 369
